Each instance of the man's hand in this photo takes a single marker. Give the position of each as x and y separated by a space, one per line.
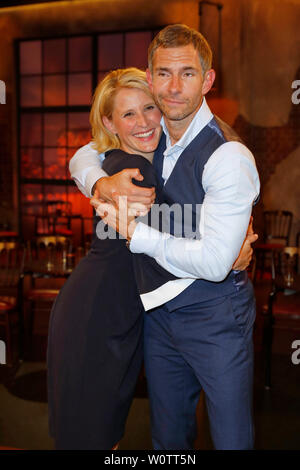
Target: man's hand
111 187
245 255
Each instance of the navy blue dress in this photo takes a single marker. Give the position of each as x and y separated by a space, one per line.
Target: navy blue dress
95 345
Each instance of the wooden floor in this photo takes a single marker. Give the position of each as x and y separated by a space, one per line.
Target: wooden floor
23 400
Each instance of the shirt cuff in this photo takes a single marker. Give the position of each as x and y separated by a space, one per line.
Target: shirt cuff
147 240
92 177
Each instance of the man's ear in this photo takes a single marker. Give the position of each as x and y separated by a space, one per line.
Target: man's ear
109 125
149 79
209 79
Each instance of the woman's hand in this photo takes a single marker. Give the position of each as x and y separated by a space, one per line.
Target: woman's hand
117 215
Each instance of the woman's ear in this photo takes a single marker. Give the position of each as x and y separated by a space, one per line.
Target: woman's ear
109 125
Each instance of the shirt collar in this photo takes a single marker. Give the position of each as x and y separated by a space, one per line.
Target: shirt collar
200 120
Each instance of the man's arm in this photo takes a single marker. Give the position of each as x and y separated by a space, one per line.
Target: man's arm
85 168
231 184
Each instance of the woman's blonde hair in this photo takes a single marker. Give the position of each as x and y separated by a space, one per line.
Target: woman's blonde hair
103 104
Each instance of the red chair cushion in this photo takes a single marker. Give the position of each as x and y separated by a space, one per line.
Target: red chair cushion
7 303
269 246
64 231
287 306
8 234
42 294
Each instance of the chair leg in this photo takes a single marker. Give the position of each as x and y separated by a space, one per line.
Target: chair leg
8 342
268 340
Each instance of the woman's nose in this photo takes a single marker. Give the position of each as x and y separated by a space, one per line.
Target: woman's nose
142 120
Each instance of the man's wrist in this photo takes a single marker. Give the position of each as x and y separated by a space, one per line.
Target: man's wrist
99 186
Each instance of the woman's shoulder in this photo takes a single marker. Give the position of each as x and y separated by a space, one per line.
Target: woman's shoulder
118 156
118 160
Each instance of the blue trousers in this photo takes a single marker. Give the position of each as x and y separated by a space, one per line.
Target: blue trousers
204 346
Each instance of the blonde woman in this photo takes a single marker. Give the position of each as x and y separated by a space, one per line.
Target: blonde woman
95 334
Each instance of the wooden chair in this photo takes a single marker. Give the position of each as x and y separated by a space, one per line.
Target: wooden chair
47 257
283 307
60 213
277 229
55 219
12 255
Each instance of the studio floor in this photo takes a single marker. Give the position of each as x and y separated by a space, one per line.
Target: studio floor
24 420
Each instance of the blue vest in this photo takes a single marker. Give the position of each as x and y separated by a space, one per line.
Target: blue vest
184 186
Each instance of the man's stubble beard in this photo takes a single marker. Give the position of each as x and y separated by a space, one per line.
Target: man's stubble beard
178 116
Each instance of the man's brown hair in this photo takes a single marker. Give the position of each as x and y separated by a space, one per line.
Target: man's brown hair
178 35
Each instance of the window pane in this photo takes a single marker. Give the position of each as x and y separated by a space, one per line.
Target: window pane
31 163
55 90
55 130
54 55
31 91
80 89
110 51
136 49
56 193
31 197
80 205
31 129
80 54
101 75
79 130
55 163
31 57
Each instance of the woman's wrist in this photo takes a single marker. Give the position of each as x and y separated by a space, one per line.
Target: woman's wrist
130 231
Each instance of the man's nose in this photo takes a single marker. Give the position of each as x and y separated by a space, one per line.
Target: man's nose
175 84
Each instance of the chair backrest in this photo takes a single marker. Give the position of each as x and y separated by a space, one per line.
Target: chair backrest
285 263
277 226
12 257
58 208
43 244
55 214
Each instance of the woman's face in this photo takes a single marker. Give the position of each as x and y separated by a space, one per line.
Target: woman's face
136 120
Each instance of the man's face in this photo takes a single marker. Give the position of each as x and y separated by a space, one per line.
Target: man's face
177 82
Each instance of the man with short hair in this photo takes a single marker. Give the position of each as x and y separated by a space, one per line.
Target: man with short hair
201 338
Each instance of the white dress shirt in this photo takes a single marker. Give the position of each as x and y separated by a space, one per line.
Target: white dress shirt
231 184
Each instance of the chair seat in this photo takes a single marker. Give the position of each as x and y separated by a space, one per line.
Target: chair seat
269 246
7 234
63 231
42 294
7 303
285 306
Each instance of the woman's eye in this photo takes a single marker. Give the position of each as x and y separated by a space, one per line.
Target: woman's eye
128 114
150 107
